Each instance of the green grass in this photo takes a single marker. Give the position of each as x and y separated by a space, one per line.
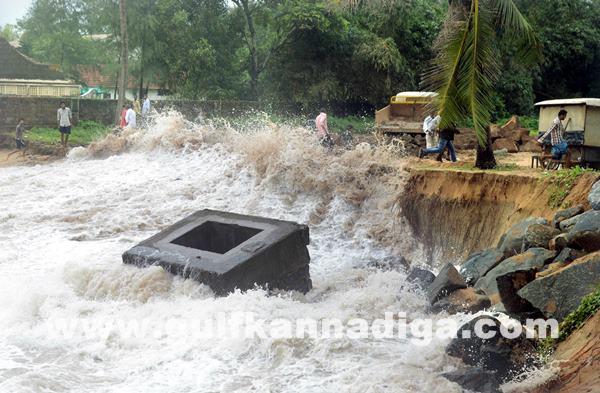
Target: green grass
249 122
83 134
587 308
361 125
562 183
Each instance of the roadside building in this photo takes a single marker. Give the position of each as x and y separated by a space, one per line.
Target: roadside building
100 82
24 77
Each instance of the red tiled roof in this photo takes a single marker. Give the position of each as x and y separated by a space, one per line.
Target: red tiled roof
94 76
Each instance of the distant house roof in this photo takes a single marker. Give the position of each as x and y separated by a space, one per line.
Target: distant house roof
15 65
571 101
97 76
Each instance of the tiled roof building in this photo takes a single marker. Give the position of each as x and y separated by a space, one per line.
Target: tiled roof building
21 76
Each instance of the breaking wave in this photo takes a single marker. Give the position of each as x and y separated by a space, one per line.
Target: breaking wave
287 160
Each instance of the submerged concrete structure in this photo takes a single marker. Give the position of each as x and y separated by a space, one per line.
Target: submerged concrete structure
228 251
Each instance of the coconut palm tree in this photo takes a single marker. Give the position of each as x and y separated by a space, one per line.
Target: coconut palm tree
466 67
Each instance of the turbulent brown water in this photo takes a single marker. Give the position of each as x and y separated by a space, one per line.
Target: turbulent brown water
64 226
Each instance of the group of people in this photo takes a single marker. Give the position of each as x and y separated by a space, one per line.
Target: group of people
130 112
64 117
437 140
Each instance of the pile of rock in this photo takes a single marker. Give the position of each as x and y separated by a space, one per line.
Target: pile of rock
538 269
513 138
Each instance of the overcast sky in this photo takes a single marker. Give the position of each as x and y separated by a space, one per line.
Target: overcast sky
11 10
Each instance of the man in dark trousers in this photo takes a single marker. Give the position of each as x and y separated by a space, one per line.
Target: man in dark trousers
446 141
63 116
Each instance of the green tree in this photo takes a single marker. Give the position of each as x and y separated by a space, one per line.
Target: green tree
569 32
466 67
9 32
53 32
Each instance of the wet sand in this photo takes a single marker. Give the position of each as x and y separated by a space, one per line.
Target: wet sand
18 159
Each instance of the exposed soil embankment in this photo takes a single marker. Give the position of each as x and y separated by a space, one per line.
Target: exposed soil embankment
578 359
455 213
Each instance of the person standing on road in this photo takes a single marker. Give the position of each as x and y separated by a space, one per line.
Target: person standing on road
556 132
63 116
130 117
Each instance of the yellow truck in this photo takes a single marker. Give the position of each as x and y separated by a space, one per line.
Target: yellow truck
405 113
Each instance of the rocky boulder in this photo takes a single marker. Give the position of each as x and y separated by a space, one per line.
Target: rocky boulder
466 300
559 294
422 278
511 125
475 380
533 259
495 131
520 134
446 282
502 355
585 234
568 255
538 235
566 214
531 147
511 242
559 242
508 288
478 264
594 196
505 144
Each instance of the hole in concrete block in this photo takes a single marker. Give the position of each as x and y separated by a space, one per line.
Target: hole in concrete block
216 237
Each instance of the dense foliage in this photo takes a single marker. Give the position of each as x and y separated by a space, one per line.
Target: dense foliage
309 52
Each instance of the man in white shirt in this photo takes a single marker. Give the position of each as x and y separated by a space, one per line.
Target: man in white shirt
430 127
130 117
63 116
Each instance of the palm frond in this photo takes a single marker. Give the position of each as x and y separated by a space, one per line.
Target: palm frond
511 22
443 74
479 70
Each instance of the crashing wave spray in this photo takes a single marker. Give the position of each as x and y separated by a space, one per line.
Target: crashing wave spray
288 160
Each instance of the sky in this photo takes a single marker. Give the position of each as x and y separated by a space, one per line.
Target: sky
11 10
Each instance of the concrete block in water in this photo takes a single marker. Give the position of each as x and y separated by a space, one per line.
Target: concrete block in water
227 251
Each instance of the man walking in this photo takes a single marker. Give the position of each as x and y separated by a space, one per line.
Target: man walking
556 131
430 128
446 141
63 115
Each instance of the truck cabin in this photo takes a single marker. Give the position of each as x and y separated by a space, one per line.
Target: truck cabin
405 113
582 127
